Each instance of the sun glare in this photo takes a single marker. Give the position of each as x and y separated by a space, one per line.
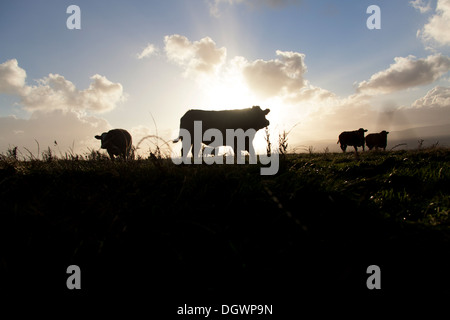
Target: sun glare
228 93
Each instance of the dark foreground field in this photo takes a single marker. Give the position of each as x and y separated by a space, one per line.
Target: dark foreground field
152 230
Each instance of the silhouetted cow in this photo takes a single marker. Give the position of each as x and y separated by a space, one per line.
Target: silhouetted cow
117 142
250 118
377 140
352 138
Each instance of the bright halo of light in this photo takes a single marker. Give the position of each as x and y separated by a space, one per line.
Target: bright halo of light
227 93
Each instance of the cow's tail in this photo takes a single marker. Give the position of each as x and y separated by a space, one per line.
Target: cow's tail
177 139
338 141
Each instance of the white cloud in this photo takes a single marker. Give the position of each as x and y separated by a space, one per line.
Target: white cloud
12 77
283 76
54 92
178 48
406 73
148 51
421 5
438 97
102 94
312 94
201 57
437 28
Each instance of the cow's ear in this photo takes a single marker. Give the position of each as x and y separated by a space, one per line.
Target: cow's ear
387 132
98 137
266 111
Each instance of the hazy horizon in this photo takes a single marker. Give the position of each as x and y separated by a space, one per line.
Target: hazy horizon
315 64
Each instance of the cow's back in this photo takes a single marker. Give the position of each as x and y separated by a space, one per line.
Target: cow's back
121 137
221 120
349 137
378 140
119 141
371 139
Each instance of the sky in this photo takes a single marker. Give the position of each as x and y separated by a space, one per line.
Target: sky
140 65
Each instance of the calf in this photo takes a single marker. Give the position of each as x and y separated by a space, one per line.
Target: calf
377 140
117 142
352 138
250 118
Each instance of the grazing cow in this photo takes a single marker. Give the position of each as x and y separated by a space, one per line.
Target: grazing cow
250 118
117 142
377 140
352 138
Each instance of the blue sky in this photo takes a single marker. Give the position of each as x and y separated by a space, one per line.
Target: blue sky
313 63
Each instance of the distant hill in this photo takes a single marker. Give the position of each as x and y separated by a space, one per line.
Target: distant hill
411 137
430 135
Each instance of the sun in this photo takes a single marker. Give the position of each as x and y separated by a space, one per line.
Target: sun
226 92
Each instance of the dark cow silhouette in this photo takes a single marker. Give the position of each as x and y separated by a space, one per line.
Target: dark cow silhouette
250 118
377 140
352 138
117 142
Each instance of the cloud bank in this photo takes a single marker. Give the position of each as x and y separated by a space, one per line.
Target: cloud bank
438 97
437 28
54 92
282 76
12 77
198 57
406 73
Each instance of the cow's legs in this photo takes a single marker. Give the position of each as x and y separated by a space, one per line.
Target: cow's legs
196 150
185 151
343 147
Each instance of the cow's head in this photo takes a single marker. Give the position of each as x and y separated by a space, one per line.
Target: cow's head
384 132
103 138
259 116
361 130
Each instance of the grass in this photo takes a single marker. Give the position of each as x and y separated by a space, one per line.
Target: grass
148 223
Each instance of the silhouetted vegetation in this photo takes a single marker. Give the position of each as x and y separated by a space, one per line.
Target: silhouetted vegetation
196 229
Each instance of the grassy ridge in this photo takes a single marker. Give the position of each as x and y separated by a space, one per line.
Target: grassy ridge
205 230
